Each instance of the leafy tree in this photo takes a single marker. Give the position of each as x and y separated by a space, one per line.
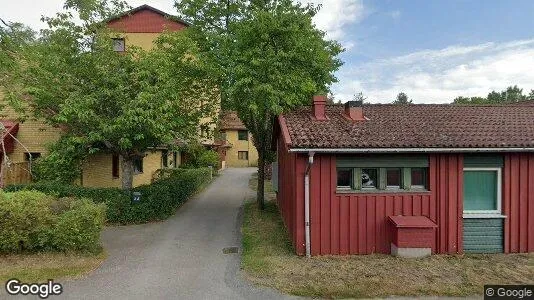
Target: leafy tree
402 98
531 95
272 57
510 95
13 39
359 97
469 100
120 103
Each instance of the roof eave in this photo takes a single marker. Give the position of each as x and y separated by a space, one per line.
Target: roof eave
409 150
148 7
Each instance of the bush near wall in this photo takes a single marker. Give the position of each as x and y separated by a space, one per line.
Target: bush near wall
159 200
33 221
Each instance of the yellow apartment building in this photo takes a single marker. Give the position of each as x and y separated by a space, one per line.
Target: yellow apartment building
140 27
238 148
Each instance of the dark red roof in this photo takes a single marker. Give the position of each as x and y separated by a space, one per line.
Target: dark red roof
414 126
11 130
230 120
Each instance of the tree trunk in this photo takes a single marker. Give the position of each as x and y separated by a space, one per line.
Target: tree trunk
127 173
261 180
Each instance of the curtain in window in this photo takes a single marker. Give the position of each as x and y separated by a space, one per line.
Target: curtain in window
480 190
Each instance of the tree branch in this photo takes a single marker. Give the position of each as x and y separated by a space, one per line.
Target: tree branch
4 22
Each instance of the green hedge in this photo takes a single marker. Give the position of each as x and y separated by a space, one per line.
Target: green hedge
34 221
159 200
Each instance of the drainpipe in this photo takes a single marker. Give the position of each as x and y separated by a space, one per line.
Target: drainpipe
307 203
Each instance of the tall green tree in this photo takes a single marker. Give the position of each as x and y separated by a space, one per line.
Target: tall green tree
121 103
273 59
510 95
402 98
14 37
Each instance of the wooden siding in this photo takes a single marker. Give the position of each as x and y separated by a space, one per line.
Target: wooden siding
483 236
518 202
356 223
145 21
292 210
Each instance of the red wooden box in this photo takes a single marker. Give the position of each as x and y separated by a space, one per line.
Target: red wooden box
412 231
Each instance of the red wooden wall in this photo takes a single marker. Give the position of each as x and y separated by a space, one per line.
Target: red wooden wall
145 21
356 223
518 202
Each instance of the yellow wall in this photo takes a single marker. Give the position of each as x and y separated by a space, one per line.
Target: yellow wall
143 40
35 135
232 159
97 171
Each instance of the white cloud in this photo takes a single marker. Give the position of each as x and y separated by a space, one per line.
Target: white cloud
335 15
438 76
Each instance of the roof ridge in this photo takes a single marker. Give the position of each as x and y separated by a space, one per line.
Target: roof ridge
148 7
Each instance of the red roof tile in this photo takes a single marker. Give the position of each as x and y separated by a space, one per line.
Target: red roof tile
230 120
415 126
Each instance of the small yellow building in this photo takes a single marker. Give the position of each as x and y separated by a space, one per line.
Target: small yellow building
238 148
31 138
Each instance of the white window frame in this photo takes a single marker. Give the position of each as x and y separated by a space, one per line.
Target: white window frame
487 213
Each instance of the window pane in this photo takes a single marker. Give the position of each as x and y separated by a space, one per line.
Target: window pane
419 177
369 178
242 135
480 190
393 178
165 158
115 166
344 178
243 155
118 45
138 165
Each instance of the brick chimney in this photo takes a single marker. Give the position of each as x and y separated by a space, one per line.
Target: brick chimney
319 103
354 110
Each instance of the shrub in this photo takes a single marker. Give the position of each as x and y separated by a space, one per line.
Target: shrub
34 221
63 162
24 218
78 228
159 200
200 157
208 158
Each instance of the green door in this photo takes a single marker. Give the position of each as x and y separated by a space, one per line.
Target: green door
483 224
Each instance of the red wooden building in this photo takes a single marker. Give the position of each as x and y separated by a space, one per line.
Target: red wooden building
345 171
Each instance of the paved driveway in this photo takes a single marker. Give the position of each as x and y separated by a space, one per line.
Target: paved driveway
180 258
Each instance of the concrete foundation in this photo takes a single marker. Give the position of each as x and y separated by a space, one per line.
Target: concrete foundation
410 252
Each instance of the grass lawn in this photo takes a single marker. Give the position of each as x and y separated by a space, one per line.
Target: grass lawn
42 266
269 260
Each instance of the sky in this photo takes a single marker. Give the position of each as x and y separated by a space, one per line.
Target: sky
433 51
